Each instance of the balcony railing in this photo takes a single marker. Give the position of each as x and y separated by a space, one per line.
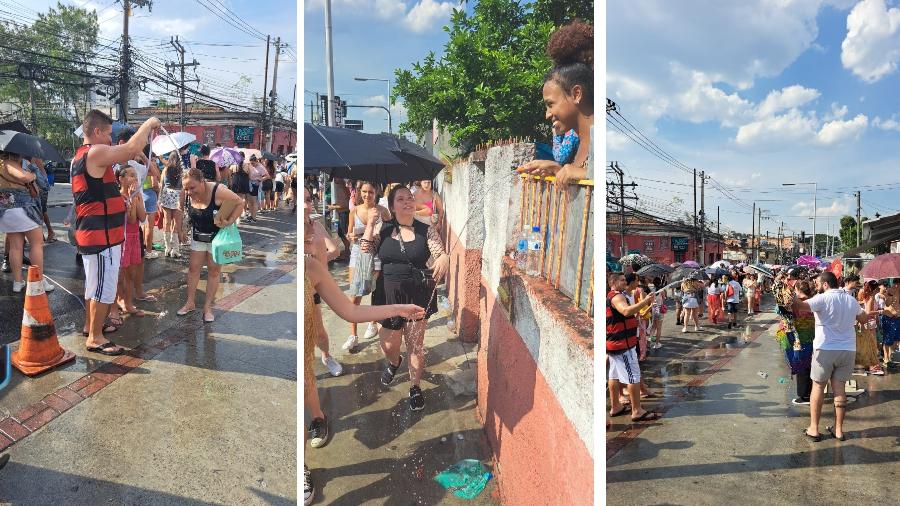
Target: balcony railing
566 218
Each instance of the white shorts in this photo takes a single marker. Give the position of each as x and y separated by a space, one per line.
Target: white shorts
201 246
15 220
101 274
624 367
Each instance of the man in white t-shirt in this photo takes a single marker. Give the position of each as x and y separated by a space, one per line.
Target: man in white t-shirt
731 300
834 350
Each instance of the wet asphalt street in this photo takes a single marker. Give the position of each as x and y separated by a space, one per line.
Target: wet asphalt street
209 417
731 435
380 452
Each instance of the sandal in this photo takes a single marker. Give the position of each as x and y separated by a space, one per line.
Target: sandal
831 431
117 321
620 412
814 439
184 312
103 349
648 416
147 298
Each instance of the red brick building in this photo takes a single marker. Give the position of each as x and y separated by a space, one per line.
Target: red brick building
214 125
664 241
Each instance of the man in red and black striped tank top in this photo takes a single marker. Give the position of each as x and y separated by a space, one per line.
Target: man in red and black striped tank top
100 219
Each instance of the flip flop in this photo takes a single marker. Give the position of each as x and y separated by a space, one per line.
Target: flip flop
147 298
137 312
620 412
118 322
182 312
814 439
648 416
209 320
102 349
831 431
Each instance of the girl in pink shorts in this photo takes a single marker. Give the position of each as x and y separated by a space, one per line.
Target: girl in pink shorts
131 249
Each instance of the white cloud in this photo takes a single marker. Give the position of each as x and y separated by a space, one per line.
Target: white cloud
172 26
390 9
703 101
615 140
886 124
778 131
837 112
786 98
838 207
426 14
871 49
837 131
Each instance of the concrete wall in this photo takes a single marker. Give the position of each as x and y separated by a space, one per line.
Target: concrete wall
535 358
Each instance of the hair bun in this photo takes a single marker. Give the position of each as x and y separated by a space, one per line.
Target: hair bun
572 43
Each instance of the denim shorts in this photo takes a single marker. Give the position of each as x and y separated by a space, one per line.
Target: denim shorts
150 201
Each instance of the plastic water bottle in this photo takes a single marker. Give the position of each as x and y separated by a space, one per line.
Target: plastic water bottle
535 244
522 251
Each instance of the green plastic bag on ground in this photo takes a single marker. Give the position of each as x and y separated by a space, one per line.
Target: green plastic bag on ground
466 479
227 247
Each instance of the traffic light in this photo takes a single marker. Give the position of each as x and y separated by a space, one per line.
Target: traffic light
802 237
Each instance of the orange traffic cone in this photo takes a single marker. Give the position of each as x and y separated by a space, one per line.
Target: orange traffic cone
39 349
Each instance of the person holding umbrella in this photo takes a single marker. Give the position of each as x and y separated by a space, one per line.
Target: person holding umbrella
21 217
100 219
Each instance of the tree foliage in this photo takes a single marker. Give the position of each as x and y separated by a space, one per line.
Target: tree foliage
52 64
487 84
848 232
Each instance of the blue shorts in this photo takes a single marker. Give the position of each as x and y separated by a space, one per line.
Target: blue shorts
150 201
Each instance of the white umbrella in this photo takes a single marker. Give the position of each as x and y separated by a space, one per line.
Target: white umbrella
167 143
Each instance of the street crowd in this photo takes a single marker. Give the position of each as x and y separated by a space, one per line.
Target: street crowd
119 187
830 327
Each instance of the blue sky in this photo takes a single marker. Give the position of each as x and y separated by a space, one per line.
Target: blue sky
220 66
371 38
759 93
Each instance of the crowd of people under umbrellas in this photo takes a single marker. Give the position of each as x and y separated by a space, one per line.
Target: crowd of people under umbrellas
119 184
830 327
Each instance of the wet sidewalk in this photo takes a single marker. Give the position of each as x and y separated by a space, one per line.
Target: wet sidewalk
194 414
380 452
731 434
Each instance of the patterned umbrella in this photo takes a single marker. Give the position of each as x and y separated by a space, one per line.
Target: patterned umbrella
225 157
691 263
883 266
636 260
808 261
685 272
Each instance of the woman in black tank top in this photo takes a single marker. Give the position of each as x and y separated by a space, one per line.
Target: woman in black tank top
205 200
405 247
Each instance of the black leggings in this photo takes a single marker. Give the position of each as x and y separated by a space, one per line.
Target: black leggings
804 384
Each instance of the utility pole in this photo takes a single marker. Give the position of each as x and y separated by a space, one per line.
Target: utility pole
718 233
262 123
753 232
758 231
125 67
702 219
695 215
614 166
858 219
329 67
181 65
294 105
273 95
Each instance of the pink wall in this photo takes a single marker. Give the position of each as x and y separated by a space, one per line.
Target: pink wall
224 135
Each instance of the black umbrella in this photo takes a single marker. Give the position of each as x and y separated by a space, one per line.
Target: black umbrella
268 155
687 273
52 155
421 165
346 153
26 145
654 270
717 272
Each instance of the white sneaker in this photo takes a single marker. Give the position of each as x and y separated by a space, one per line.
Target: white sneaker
48 286
309 491
371 330
176 252
18 286
333 366
151 255
657 346
684 330
351 343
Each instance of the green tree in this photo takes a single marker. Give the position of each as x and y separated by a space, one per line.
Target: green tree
848 232
52 64
487 84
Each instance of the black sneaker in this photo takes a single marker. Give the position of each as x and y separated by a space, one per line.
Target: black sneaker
318 432
388 375
799 401
309 491
416 399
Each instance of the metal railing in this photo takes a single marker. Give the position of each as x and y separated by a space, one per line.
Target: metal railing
566 218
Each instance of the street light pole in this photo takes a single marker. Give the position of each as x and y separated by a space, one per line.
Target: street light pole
815 208
388 81
329 65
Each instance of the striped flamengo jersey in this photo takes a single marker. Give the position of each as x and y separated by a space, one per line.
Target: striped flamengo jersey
99 207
